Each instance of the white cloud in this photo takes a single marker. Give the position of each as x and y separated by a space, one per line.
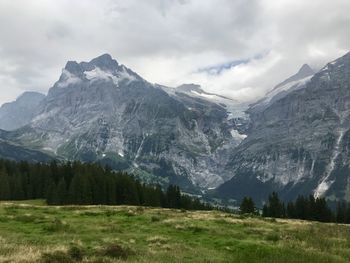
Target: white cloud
167 41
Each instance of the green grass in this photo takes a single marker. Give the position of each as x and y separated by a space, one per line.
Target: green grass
33 232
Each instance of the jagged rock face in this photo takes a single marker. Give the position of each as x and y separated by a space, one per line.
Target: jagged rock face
19 113
295 82
103 111
300 143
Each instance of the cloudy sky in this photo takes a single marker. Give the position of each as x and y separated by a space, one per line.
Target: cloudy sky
238 48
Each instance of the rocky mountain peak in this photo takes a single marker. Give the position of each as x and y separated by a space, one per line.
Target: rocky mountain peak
103 68
305 71
73 67
20 112
104 62
296 81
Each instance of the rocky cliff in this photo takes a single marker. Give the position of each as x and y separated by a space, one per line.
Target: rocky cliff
299 144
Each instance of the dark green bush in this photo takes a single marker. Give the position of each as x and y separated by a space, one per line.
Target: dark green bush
116 251
56 257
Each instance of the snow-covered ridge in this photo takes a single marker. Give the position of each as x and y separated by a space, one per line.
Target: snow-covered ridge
106 75
102 68
99 74
235 109
294 85
236 135
67 79
295 82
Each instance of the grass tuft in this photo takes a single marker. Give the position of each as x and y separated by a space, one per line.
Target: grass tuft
116 251
56 257
76 253
57 226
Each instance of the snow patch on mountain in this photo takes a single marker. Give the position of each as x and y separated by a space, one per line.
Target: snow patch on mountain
67 79
116 77
98 74
236 135
293 85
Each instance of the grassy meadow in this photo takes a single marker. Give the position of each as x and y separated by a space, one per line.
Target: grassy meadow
33 232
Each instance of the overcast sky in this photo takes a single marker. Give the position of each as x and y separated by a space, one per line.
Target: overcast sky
238 48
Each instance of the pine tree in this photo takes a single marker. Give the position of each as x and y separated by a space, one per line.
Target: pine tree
301 208
62 192
17 188
80 191
323 212
265 211
247 206
311 208
5 191
275 208
291 213
341 212
111 191
347 220
173 195
51 194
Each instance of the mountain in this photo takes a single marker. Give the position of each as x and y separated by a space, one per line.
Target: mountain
15 152
103 111
297 81
293 141
298 144
17 114
11 150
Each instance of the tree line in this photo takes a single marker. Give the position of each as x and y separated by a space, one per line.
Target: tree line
86 184
305 208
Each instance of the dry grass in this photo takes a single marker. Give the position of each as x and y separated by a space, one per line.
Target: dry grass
36 233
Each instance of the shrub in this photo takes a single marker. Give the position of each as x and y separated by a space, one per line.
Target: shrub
57 226
155 218
26 218
110 213
196 229
56 257
116 251
273 237
76 253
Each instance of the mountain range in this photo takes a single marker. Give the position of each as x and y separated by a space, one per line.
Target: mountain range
298 143
294 140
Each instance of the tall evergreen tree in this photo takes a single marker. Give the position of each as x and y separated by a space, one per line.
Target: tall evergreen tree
5 191
17 188
51 193
301 208
291 213
274 208
341 212
62 192
323 212
80 191
247 206
173 195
